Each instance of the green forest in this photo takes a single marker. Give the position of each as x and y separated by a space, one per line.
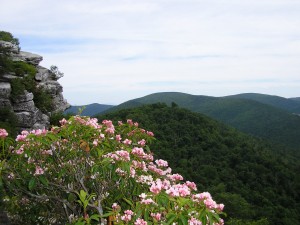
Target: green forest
258 182
271 117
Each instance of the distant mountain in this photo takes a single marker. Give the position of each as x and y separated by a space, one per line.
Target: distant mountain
253 179
89 110
295 99
253 117
276 101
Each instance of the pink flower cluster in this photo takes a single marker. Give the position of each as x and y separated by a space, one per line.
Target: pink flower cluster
208 201
140 221
25 133
156 216
176 190
22 136
159 171
39 132
120 155
194 221
3 133
127 215
141 154
38 171
110 129
161 163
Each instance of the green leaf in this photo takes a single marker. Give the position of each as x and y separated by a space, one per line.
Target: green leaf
128 201
32 183
170 218
95 217
43 180
82 195
71 197
106 214
183 219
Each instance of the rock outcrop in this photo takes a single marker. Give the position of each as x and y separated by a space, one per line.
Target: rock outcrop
24 107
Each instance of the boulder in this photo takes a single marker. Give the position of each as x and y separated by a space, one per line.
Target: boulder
26 119
52 87
24 106
28 57
60 104
42 123
5 90
43 74
8 77
13 48
5 103
28 96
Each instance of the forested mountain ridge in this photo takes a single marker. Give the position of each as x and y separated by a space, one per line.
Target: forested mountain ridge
295 99
252 117
88 110
287 104
254 180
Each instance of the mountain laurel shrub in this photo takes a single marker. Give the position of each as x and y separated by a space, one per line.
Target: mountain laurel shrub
85 172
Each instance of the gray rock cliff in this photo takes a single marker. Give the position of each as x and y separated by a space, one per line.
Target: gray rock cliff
28 114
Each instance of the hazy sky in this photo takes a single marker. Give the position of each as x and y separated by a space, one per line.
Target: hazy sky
112 51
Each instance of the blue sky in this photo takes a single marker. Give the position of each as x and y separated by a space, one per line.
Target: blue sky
112 51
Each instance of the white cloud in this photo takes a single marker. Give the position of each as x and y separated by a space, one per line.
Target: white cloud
111 51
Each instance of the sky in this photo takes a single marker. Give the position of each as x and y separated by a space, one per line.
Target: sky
111 51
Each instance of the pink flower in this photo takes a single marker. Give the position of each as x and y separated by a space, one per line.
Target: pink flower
118 138
150 133
143 195
47 152
3 133
95 142
129 121
142 142
107 123
209 203
147 201
172 191
220 207
161 163
128 212
141 154
221 222
191 185
175 177
38 170
120 172
63 121
140 221
124 155
110 130
156 186
20 150
127 215
127 142
156 216
115 206
194 221
39 132
132 172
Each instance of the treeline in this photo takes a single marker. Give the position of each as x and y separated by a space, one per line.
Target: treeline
257 182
